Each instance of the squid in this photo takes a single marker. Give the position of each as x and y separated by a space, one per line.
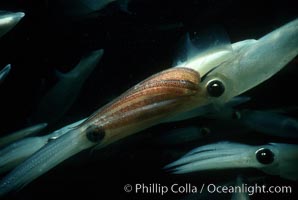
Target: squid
8 20
29 131
269 123
266 122
81 8
61 96
4 72
274 158
212 77
14 153
184 135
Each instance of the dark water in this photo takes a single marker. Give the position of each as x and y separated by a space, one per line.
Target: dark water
137 44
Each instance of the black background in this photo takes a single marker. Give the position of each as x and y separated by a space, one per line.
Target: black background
137 44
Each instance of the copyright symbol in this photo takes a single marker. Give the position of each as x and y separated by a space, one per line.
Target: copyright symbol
128 188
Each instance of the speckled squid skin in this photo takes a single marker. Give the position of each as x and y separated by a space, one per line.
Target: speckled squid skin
146 104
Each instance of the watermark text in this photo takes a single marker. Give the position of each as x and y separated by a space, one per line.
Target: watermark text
188 188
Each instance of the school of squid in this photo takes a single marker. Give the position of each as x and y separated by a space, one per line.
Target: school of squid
207 84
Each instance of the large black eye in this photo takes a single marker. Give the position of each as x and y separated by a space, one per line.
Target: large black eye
95 134
265 156
215 88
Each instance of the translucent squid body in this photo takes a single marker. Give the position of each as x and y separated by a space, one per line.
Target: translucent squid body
83 8
17 151
211 77
4 72
18 135
63 94
269 123
8 20
274 158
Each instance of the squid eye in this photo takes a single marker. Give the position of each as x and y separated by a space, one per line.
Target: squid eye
95 134
215 88
265 156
